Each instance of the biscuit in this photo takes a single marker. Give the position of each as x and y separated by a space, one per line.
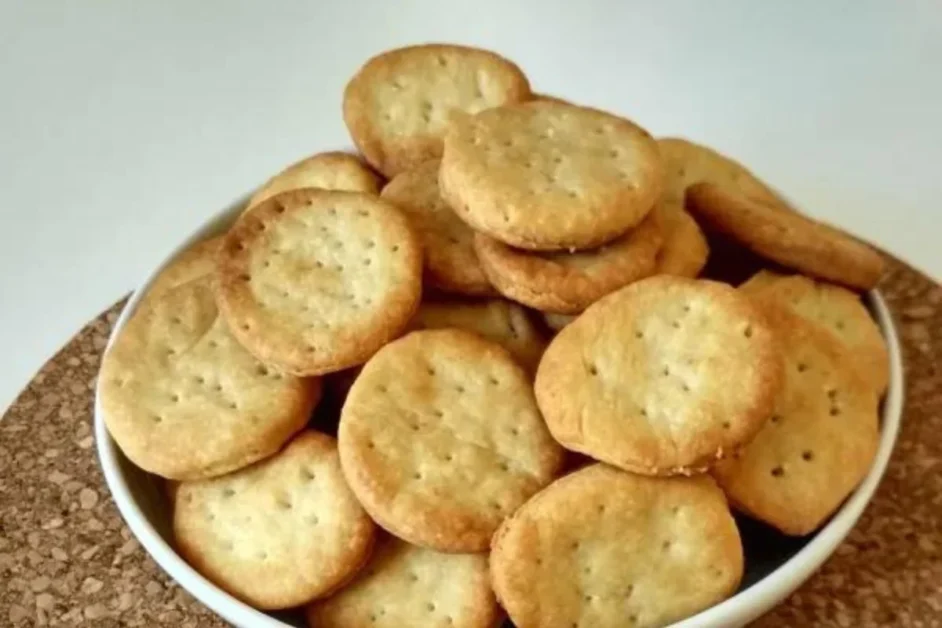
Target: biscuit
450 261
315 281
557 321
400 102
685 250
787 238
329 171
836 309
175 376
279 533
820 438
567 283
608 549
550 176
441 439
641 379
407 585
496 320
195 262
687 163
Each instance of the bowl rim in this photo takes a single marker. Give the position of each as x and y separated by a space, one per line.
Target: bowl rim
734 611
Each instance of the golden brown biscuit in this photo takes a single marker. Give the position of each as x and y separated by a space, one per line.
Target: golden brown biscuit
182 398
557 321
787 238
567 283
685 250
550 176
607 549
195 262
279 533
641 379
329 171
450 261
500 321
820 438
400 102
440 439
406 585
315 281
836 309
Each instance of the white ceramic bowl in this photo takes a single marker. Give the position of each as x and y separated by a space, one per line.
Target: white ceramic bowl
776 565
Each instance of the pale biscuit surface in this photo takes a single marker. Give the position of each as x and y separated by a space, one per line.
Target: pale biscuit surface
550 176
685 250
176 377
197 261
607 549
788 238
406 585
440 439
688 163
641 379
329 171
819 440
500 321
836 309
400 102
567 283
315 281
557 321
279 533
450 260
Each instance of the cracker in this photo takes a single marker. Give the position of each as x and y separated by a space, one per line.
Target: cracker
608 549
277 534
549 176
450 261
440 439
688 163
556 322
567 283
788 238
329 171
407 585
641 379
685 250
820 438
184 400
496 320
836 309
195 262
315 281
400 102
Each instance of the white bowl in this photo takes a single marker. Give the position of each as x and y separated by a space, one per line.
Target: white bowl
776 565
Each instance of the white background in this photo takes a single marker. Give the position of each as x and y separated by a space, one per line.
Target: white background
122 126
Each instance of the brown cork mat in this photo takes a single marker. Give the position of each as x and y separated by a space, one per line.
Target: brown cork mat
66 558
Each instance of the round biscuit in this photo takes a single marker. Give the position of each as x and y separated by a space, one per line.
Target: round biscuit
567 283
315 281
549 176
184 400
333 170
836 309
821 436
497 320
607 549
398 105
641 379
196 261
787 238
408 585
687 163
277 534
685 250
441 439
450 261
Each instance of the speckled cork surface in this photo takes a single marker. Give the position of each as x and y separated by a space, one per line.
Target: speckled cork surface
66 558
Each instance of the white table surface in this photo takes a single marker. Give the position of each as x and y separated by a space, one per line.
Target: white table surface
122 126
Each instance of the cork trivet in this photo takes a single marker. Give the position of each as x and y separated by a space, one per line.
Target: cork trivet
66 558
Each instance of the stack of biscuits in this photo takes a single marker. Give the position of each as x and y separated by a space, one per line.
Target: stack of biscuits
494 364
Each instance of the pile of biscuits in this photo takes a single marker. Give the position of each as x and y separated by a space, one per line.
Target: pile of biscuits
406 300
